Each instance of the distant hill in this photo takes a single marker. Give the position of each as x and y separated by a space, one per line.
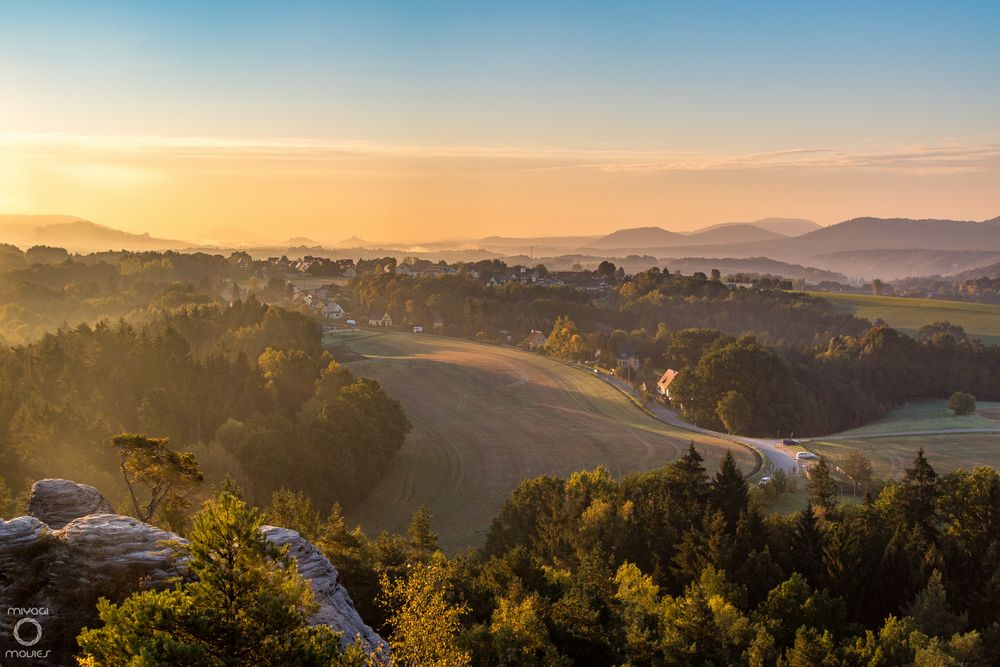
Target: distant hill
893 264
304 241
737 232
639 237
354 242
899 233
782 226
76 235
861 247
988 271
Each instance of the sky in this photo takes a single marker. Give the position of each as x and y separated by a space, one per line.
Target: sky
432 120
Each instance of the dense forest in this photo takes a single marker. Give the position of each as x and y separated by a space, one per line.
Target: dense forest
245 387
44 288
674 567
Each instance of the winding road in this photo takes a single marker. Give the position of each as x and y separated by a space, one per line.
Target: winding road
772 450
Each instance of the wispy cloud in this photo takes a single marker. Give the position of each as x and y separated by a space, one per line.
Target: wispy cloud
951 158
906 160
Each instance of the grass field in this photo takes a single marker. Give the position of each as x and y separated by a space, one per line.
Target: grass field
485 418
908 315
891 456
930 415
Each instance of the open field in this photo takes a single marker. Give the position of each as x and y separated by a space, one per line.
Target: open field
891 456
485 418
908 315
930 415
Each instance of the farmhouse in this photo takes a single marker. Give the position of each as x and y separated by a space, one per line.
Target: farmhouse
663 384
333 311
535 339
385 320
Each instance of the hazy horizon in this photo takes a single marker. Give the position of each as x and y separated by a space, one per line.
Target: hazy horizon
455 121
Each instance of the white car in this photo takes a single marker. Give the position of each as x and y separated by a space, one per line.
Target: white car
806 456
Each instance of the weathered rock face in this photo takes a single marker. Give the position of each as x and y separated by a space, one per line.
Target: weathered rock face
336 608
56 563
56 502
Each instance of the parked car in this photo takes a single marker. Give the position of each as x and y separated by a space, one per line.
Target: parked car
806 456
790 442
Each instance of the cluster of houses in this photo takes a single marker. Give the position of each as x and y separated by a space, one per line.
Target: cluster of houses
525 276
314 266
321 299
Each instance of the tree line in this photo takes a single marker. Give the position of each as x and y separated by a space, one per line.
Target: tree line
245 387
668 567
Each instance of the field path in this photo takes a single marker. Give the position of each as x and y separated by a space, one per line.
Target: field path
486 418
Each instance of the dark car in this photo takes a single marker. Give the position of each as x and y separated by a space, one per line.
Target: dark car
789 441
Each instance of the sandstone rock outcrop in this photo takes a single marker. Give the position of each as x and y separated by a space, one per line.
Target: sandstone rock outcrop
336 608
56 502
71 550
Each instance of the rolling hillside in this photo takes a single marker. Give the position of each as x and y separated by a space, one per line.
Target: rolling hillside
908 315
485 418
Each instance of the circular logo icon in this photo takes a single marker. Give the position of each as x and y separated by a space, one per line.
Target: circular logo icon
27 642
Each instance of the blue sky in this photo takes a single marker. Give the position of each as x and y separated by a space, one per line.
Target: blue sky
686 75
692 78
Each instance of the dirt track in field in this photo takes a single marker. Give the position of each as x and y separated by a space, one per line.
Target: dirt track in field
485 418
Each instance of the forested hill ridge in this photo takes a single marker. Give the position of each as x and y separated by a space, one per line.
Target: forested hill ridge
245 387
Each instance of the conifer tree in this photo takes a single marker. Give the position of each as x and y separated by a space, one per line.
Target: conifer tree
918 495
245 604
729 491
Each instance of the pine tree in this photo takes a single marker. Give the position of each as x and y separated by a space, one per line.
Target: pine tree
932 614
688 479
293 509
918 496
423 541
807 546
729 491
245 604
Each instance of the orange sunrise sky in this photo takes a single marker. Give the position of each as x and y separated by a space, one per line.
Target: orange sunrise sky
453 121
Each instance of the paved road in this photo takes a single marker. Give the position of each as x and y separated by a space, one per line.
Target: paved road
772 450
